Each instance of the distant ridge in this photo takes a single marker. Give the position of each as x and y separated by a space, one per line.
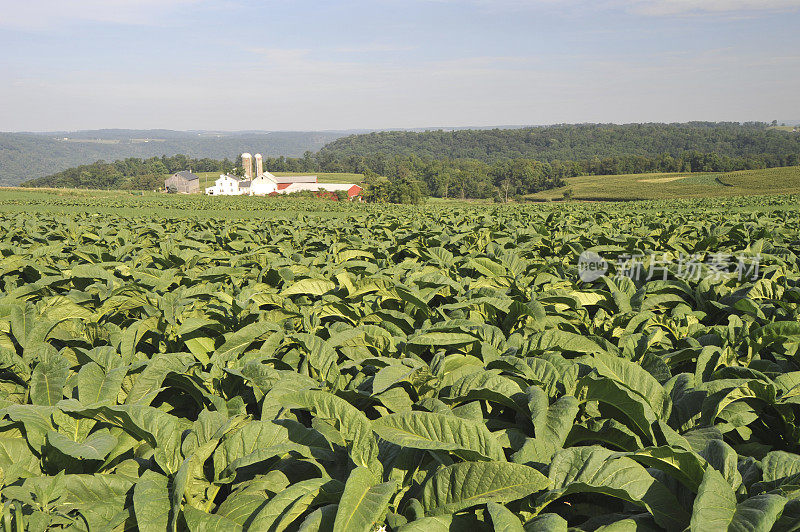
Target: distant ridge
28 155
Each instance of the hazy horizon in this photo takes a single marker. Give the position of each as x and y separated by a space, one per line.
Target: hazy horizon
242 65
356 130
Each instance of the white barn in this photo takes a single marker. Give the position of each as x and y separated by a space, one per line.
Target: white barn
263 184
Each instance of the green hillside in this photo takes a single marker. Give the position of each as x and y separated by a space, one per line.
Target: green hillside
25 156
576 142
784 180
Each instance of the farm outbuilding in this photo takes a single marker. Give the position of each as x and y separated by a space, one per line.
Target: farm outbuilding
183 182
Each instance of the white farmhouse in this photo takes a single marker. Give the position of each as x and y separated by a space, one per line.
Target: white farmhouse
227 185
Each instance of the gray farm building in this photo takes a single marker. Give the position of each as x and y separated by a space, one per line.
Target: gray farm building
183 182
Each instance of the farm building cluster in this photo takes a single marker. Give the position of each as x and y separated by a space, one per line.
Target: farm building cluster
259 183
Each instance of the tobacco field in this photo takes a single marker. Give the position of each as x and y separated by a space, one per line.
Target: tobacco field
400 368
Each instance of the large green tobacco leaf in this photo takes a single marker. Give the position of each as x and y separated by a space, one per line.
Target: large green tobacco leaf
780 464
285 507
597 470
151 502
236 342
99 498
637 379
715 508
427 430
200 521
638 414
95 447
314 287
434 338
467 484
96 385
347 419
17 460
446 523
158 429
503 519
486 385
686 467
151 378
48 380
552 424
363 503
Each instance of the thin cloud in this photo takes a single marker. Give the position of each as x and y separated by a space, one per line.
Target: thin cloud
45 14
679 7
374 48
640 7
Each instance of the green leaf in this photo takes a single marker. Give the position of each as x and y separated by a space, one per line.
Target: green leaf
236 342
503 519
552 427
313 287
153 375
99 498
48 380
685 466
639 415
320 519
555 339
485 385
462 485
715 504
95 447
285 507
200 521
17 460
597 470
780 464
426 430
757 514
151 502
158 429
637 379
363 503
96 385
437 339
347 419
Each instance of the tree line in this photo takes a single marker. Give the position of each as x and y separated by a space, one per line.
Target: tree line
577 142
131 173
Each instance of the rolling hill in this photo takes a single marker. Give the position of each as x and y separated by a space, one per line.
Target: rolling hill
25 156
630 187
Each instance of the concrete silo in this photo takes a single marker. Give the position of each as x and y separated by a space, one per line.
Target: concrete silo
247 164
259 165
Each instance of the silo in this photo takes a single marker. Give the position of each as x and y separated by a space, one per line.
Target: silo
247 164
259 165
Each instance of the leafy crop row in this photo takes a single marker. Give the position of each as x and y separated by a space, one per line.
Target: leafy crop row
441 371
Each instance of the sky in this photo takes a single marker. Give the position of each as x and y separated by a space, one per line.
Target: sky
374 64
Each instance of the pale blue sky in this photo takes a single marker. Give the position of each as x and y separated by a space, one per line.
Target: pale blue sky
308 65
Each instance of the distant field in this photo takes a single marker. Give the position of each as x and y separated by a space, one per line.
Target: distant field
667 186
206 179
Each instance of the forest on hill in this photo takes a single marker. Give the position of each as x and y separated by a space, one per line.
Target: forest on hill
577 142
25 156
